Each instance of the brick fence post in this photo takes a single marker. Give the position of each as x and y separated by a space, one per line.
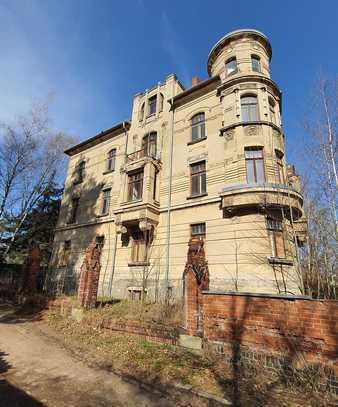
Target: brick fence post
195 279
31 269
89 277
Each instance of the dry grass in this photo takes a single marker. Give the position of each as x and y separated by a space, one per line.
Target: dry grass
165 364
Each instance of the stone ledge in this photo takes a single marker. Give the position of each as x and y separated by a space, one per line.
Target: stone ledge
259 295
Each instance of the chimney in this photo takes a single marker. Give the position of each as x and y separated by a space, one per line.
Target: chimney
195 80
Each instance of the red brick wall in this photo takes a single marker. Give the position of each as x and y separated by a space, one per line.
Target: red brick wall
280 326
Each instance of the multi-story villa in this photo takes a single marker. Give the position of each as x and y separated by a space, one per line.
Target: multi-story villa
209 162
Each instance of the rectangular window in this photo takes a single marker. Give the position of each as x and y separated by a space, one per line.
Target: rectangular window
249 108
279 167
135 186
155 186
275 230
99 241
198 178
198 127
256 64
152 105
111 160
231 66
74 210
254 165
138 250
198 230
106 201
67 246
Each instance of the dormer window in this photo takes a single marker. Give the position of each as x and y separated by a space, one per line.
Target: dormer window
152 105
198 127
256 63
231 66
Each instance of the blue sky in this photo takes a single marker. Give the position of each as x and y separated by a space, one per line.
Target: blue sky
90 57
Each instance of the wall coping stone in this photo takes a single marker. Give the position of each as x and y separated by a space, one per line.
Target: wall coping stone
261 295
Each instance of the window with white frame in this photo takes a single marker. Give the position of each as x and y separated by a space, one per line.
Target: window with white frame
256 63
198 230
198 178
231 66
198 127
249 108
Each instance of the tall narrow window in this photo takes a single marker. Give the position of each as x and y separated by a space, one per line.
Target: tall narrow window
135 185
198 178
272 111
155 186
198 127
231 66
106 201
80 172
256 63
66 251
275 230
152 105
138 251
74 210
149 145
198 230
141 113
279 167
111 159
249 108
254 165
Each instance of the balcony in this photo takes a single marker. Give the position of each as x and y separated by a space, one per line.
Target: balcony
140 154
262 195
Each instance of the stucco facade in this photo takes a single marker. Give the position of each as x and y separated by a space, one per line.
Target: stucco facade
206 161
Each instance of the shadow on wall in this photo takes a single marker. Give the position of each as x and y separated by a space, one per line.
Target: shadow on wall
11 395
63 276
253 328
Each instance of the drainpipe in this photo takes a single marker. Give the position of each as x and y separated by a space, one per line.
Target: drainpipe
171 101
110 284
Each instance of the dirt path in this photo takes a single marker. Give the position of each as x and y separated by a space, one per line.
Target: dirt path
36 371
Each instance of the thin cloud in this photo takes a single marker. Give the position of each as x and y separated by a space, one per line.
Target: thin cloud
175 49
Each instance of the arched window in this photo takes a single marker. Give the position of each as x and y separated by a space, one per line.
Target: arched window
231 66
256 63
111 159
249 108
149 144
198 127
272 111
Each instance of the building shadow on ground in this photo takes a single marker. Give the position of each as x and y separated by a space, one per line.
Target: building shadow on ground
11 395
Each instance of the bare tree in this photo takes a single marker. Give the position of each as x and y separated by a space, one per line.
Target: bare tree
31 160
318 255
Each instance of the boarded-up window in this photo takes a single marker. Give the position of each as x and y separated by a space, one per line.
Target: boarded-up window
138 249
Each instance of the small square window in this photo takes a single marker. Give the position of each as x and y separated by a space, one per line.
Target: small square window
198 230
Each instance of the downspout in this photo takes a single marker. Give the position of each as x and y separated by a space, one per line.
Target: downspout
171 101
110 285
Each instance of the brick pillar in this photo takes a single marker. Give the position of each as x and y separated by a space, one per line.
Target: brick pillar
195 279
89 277
31 269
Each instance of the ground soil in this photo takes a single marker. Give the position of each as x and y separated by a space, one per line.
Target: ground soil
35 371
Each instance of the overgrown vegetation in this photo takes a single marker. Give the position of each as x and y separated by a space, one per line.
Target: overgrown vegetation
165 365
